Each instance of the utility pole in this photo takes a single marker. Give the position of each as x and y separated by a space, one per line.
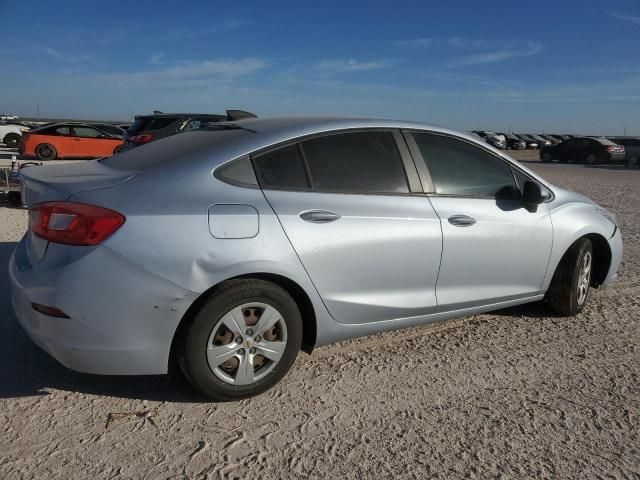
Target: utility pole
625 131
38 109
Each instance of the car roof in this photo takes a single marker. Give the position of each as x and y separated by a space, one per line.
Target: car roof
603 141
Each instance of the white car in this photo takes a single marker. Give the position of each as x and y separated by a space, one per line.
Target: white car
5 117
11 135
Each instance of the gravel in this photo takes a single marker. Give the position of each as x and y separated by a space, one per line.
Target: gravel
512 394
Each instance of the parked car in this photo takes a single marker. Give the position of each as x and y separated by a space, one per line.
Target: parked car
277 241
147 128
631 147
513 142
550 138
11 135
542 142
6 118
589 150
68 140
492 138
531 142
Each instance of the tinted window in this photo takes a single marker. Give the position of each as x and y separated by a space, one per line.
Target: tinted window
239 172
61 131
160 123
282 168
460 168
87 132
356 162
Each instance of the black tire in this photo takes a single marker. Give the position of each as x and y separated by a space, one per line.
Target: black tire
562 160
563 294
546 157
192 354
631 162
591 159
12 140
46 151
118 149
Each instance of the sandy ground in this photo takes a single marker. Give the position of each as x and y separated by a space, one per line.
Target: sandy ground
513 394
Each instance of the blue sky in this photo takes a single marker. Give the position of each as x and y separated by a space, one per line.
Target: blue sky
570 66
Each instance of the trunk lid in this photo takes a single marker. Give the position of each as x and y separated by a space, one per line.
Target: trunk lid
59 182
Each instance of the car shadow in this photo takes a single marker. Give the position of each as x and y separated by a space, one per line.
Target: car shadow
28 371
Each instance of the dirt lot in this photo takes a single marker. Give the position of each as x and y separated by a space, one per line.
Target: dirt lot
513 394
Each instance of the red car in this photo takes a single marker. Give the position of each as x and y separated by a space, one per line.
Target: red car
69 140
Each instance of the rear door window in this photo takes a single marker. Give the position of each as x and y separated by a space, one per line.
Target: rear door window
161 122
461 169
358 162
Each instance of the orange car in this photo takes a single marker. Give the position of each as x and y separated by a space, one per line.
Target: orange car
68 140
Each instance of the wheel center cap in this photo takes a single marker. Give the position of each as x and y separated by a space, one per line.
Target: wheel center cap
248 342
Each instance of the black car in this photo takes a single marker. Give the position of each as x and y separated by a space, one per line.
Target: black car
632 149
531 142
588 150
147 128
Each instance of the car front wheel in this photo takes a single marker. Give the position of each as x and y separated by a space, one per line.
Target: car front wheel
45 151
569 289
242 341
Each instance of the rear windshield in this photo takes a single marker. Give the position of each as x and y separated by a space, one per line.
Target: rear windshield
170 148
144 124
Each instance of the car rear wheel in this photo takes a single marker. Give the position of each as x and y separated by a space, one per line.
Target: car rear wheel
591 159
632 162
242 341
569 289
46 151
118 149
12 140
546 157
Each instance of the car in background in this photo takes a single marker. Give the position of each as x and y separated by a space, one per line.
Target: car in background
531 142
550 138
542 142
493 139
147 128
589 150
513 142
11 135
631 147
69 140
5 118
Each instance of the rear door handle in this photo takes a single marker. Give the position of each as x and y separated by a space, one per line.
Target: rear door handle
461 220
319 216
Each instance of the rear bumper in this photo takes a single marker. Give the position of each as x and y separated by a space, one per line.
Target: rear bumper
122 319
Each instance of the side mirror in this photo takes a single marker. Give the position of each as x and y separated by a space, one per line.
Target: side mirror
531 193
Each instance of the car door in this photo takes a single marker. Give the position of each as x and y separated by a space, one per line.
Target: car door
495 248
62 139
91 142
351 208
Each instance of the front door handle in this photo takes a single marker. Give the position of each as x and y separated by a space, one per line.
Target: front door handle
461 220
319 216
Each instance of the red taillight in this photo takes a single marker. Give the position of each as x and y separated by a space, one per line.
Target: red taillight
73 223
144 138
615 148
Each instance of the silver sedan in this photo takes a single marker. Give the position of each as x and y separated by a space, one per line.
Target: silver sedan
227 250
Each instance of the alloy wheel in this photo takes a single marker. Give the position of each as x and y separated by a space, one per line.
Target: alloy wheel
584 278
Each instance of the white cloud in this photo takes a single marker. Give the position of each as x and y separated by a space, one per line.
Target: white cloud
494 56
68 58
625 17
334 67
157 59
190 73
417 43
